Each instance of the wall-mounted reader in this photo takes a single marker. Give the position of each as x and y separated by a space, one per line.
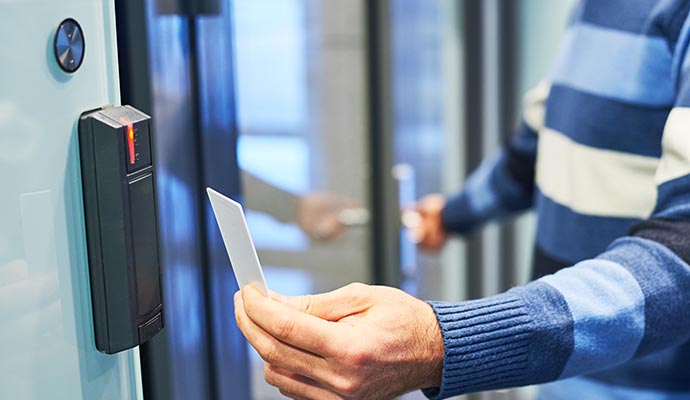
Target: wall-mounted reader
121 226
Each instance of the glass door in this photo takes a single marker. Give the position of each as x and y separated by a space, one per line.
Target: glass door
302 100
303 145
47 341
426 113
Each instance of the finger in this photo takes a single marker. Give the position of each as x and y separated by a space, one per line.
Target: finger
276 296
331 306
411 219
292 326
276 352
295 386
415 235
293 396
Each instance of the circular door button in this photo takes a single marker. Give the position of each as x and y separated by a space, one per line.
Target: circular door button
69 45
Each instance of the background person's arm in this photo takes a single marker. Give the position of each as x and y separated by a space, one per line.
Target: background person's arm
502 185
318 214
630 301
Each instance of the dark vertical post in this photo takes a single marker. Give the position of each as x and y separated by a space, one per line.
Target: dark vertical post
473 126
133 54
384 193
509 115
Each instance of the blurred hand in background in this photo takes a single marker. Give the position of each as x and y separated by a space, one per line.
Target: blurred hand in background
322 216
325 216
425 223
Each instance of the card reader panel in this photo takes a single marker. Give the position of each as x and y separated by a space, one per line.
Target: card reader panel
118 184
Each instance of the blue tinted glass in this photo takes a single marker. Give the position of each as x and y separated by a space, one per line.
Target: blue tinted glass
272 94
271 65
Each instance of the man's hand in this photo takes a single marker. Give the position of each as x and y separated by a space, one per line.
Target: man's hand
428 231
357 342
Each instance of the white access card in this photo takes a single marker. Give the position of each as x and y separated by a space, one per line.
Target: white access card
238 241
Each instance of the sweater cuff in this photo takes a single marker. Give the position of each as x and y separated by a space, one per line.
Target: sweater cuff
456 216
485 344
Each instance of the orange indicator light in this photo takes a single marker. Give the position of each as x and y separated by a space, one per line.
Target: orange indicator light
130 140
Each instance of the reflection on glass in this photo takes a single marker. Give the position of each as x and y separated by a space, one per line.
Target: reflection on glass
420 90
418 87
271 63
183 292
281 149
302 143
282 161
182 273
272 115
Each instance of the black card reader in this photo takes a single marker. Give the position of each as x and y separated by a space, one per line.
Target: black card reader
121 227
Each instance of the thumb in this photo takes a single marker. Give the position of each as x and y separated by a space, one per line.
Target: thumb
331 306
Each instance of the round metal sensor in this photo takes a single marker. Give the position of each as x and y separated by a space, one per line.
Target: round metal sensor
69 45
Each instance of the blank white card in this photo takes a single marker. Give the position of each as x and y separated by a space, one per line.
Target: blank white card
238 241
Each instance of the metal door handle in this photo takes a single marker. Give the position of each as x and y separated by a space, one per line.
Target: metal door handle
351 217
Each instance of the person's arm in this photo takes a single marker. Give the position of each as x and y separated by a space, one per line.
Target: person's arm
367 342
270 199
632 300
502 185
316 213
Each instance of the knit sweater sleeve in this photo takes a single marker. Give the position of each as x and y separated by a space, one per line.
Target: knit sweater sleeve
503 184
631 300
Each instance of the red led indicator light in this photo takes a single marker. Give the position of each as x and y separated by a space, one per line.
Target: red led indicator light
130 140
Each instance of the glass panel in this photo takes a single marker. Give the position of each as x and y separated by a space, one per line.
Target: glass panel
218 138
426 108
302 137
47 345
185 336
301 102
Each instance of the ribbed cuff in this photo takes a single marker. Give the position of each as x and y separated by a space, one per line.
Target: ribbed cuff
486 344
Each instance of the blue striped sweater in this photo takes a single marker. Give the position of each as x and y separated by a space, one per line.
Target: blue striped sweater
603 155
